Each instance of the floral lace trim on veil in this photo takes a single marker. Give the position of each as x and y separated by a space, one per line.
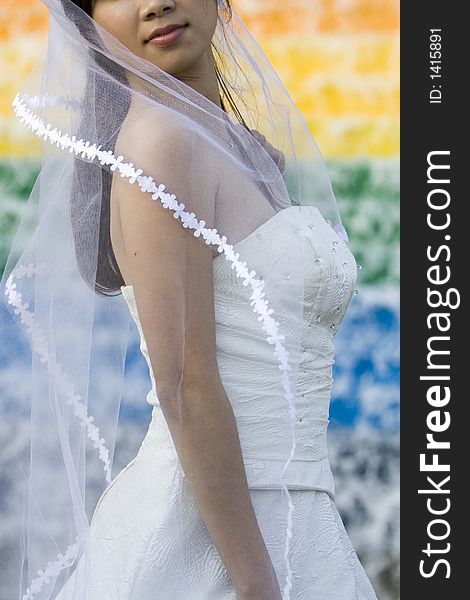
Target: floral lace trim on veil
147 185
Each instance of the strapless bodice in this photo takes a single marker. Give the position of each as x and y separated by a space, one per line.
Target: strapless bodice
324 274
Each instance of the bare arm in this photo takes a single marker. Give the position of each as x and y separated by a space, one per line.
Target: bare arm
210 453
172 278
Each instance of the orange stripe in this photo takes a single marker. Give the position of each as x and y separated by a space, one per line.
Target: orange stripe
264 17
22 17
304 17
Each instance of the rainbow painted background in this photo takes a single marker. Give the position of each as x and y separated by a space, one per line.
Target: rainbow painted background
340 62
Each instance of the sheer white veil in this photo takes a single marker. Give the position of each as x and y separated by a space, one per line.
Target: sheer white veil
64 320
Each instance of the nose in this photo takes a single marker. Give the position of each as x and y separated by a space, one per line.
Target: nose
152 8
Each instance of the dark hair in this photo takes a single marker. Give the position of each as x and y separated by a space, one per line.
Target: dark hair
105 276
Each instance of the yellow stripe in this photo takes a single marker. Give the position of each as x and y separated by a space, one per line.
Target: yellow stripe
344 78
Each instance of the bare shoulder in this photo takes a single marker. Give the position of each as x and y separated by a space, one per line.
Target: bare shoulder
156 131
169 153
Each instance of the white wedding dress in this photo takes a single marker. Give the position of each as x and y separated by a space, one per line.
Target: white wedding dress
131 547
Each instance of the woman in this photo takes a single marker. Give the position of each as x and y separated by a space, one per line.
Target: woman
230 495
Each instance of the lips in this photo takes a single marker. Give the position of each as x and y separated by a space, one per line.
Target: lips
163 30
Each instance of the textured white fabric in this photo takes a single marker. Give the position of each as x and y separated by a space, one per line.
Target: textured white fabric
247 365
130 552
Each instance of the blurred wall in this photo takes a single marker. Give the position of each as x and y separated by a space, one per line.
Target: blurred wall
340 62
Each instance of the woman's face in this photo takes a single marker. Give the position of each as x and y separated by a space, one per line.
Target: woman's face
133 21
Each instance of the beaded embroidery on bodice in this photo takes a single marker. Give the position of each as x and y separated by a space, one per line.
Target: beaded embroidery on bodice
329 272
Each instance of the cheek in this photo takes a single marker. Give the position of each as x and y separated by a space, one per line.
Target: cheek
205 14
116 23
207 25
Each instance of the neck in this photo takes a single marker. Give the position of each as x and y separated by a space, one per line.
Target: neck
202 78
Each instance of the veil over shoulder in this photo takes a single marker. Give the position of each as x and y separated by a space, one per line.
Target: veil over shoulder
213 182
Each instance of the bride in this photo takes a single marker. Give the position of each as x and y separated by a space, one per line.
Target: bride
233 264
